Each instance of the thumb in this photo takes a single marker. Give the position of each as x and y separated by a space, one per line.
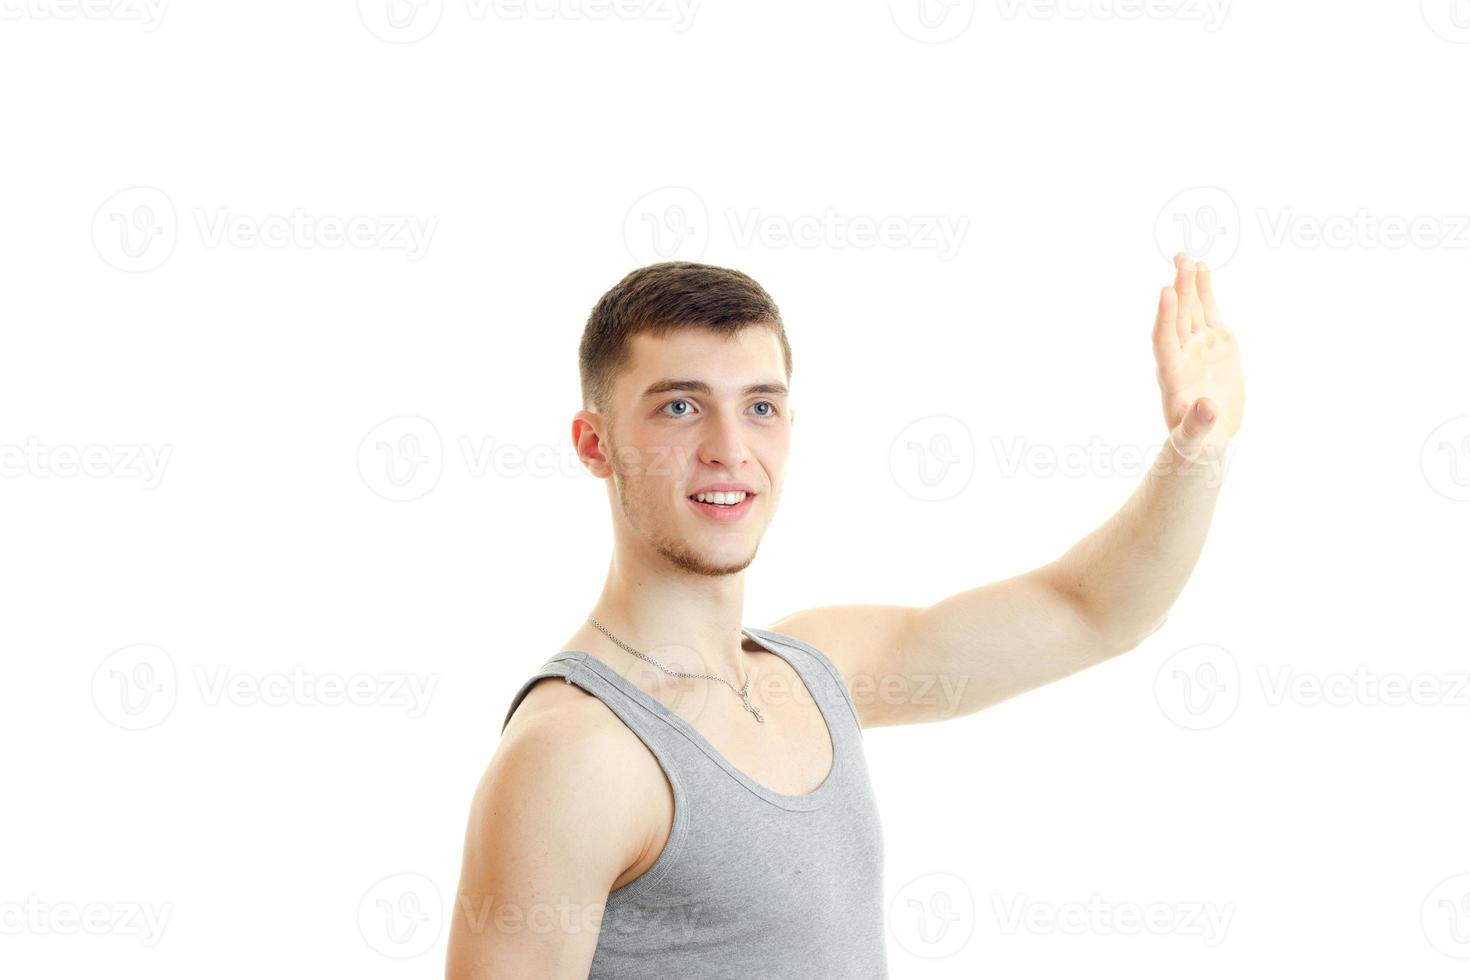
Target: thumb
1188 437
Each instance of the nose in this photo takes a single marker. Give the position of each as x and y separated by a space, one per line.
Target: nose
723 444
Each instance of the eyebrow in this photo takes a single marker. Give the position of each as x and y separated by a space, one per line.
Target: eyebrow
665 385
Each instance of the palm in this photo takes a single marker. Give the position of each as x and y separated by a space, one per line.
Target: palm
1197 355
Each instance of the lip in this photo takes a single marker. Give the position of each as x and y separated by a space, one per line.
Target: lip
723 515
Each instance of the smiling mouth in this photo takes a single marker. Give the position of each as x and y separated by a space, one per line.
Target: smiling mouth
722 498
724 507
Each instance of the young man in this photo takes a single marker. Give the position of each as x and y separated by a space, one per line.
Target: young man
676 795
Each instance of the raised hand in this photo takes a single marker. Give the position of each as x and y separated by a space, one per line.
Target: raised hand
1199 375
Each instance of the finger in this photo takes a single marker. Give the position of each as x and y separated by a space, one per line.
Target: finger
1184 278
1166 332
1206 289
1188 437
1183 284
1190 310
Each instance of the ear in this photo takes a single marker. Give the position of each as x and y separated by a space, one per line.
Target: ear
588 443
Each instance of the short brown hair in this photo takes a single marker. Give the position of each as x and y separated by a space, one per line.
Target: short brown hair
663 297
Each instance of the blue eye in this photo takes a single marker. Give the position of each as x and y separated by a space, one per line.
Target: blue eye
769 413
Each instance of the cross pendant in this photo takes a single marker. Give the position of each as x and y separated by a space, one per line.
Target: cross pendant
752 708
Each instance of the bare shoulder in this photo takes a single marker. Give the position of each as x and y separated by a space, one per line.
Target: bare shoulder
858 639
575 751
559 815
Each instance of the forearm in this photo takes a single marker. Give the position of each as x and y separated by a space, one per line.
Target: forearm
1127 573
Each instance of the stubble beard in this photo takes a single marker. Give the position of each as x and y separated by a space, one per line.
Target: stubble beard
641 514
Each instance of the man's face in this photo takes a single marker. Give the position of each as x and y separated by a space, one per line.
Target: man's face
695 411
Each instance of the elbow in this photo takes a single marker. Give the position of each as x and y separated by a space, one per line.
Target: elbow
1114 635
1135 640
1111 629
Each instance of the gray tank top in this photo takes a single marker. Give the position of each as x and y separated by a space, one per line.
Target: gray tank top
752 883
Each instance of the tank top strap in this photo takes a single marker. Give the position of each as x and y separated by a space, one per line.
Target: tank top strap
579 667
559 665
816 669
820 675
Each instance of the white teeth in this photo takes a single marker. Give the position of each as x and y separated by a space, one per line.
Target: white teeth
726 497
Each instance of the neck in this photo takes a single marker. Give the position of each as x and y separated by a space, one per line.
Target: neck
686 621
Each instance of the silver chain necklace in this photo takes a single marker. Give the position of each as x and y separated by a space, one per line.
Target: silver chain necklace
744 692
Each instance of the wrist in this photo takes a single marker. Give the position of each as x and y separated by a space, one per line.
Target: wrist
1202 461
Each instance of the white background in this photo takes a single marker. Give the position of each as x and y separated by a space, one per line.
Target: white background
537 149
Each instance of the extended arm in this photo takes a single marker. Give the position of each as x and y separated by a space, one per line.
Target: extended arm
908 664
